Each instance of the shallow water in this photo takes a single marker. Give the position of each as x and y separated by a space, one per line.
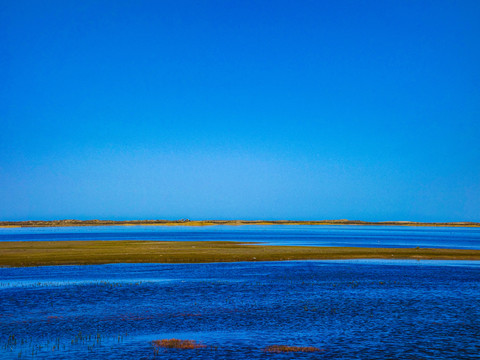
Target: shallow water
355 309
331 235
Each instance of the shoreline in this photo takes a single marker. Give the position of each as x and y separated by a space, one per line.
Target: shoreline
48 253
194 223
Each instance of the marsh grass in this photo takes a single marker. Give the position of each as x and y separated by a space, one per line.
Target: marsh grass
41 253
41 346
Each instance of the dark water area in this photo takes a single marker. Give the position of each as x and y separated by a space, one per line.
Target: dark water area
357 309
331 235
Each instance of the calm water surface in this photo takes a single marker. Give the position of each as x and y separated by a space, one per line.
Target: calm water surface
348 309
363 236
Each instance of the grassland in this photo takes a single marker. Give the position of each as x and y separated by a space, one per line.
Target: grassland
40 253
187 222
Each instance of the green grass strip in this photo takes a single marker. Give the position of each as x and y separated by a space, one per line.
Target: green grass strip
40 253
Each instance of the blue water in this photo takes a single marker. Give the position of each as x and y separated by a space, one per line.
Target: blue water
362 236
355 309
349 309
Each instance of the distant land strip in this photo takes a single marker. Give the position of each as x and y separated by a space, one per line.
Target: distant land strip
187 222
43 253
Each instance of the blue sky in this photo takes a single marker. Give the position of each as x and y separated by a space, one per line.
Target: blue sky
240 110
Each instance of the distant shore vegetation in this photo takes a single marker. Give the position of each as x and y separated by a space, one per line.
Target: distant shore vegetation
188 222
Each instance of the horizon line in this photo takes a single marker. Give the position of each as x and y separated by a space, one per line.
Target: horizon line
236 222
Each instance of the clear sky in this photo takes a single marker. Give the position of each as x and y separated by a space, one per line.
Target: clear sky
364 110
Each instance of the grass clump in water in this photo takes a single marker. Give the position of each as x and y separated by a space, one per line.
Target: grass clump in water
178 344
286 348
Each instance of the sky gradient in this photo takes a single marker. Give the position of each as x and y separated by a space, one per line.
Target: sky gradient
240 110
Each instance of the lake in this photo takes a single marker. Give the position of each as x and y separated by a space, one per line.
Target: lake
355 309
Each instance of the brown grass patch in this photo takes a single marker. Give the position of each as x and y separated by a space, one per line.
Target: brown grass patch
41 253
178 344
286 348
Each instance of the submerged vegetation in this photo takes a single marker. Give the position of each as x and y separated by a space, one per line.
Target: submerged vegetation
286 348
192 344
41 253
